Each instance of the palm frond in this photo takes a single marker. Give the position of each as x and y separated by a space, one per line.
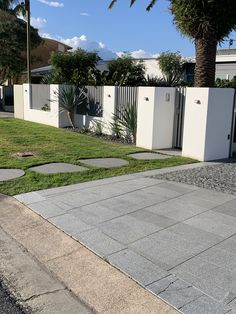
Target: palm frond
149 7
112 4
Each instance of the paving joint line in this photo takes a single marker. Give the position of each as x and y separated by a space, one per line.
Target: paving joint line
102 200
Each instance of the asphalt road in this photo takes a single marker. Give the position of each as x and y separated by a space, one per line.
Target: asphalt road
7 304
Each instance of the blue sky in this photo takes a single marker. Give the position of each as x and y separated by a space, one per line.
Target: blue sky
90 25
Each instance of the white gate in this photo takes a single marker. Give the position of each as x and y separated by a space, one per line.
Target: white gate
179 117
233 133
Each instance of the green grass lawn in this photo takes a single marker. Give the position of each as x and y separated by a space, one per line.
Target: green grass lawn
57 145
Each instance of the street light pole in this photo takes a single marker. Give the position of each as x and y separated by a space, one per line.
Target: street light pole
27 9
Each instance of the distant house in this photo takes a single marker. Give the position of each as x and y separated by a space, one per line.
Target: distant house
225 66
41 54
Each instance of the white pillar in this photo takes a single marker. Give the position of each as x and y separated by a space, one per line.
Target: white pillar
156 109
207 123
109 103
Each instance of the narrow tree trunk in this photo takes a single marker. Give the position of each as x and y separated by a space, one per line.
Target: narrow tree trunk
71 118
205 62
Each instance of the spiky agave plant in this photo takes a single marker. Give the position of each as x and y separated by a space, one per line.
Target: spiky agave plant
127 118
71 98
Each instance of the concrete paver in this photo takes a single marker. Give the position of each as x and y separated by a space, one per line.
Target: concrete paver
149 156
137 266
175 291
160 230
105 162
9 174
6 114
58 167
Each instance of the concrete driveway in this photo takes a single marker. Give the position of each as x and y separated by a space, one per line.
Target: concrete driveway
177 240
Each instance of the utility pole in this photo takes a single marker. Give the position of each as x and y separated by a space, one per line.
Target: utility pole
27 10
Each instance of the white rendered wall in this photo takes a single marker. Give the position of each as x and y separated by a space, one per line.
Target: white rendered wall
85 120
45 117
156 109
219 122
195 118
207 123
146 103
109 101
18 102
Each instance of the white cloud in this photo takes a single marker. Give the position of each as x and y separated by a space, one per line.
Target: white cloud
84 14
53 4
139 54
99 47
82 42
38 22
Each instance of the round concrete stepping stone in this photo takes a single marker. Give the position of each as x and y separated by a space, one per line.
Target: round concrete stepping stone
105 162
57 167
148 156
9 174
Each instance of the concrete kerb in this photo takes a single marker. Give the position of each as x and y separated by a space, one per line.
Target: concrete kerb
90 278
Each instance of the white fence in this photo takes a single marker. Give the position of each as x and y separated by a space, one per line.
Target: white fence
206 115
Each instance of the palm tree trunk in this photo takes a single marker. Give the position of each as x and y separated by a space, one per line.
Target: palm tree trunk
205 62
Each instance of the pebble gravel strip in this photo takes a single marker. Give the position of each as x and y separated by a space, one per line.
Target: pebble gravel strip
219 177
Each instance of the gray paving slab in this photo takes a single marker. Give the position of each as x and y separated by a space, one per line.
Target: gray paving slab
162 253
209 272
105 162
145 216
170 151
94 214
9 174
127 229
228 208
196 236
30 198
228 245
214 222
6 114
149 156
204 284
77 199
125 204
178 209
204 305
100 243
137 266
70 224
50 208
175 291
57 167
179 188
220 258
213 196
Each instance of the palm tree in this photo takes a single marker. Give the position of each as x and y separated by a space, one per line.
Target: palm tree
207 22
14 7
